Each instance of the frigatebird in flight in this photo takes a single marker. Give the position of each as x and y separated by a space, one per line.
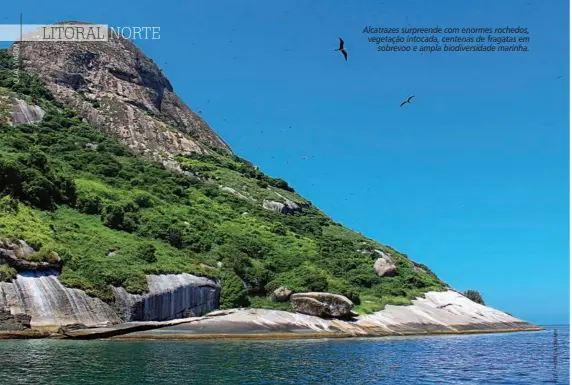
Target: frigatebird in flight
407 101
342 49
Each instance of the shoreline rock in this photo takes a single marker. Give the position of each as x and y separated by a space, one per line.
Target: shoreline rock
169 297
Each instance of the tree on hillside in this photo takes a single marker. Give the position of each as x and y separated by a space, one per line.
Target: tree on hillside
474 296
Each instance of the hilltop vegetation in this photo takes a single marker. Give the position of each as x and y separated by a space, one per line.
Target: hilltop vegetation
113 217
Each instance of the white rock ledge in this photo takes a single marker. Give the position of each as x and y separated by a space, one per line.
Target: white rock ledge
438 313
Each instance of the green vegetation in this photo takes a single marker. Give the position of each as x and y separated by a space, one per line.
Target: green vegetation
474 296
114 217
7 273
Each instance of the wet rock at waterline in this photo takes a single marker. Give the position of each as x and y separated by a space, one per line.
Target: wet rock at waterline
325 305
169 297
13 322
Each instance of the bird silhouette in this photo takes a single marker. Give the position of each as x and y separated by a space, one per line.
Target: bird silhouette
342 49
407 101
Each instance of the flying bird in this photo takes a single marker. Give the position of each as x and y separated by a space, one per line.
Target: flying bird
407 101
342 49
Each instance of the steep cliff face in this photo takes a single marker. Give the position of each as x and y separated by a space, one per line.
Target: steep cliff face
170 296
122 92
41 297
50 304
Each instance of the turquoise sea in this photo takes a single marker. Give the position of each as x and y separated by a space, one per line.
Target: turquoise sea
514 358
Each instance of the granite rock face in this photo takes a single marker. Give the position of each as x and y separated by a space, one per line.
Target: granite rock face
14 254
169 297
122 92
24 113
437 312
282 294
14 322
324 305
288 207
50 305
384 266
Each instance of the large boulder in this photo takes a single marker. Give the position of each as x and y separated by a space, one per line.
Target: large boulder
288 207
384 266
16 254
282 294
325 305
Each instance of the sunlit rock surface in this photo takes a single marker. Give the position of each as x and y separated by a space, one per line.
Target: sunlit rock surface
122 92
170 296
24 113
50 304
438 312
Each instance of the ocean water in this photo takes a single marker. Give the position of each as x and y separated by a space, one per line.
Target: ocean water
514 358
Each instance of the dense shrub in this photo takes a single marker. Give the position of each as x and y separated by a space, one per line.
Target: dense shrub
474 296
233 293
146 252
7 274
120 216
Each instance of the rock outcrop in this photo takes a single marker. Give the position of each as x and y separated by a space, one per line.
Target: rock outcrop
325 305
122 92
384 266
169 297
14 322
282 294
439 313
15 254
50 305
235 192
288 207
24 113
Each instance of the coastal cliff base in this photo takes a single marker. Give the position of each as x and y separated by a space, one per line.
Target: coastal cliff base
437 313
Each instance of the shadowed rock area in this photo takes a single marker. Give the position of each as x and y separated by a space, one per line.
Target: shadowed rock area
170 296
14 322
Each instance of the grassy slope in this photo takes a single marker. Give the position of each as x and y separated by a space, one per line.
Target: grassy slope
82 203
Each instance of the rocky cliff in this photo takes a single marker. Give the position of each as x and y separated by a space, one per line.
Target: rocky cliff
48 304
41 296
121 92
170 296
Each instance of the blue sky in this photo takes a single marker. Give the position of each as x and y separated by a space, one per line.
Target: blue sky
471 179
